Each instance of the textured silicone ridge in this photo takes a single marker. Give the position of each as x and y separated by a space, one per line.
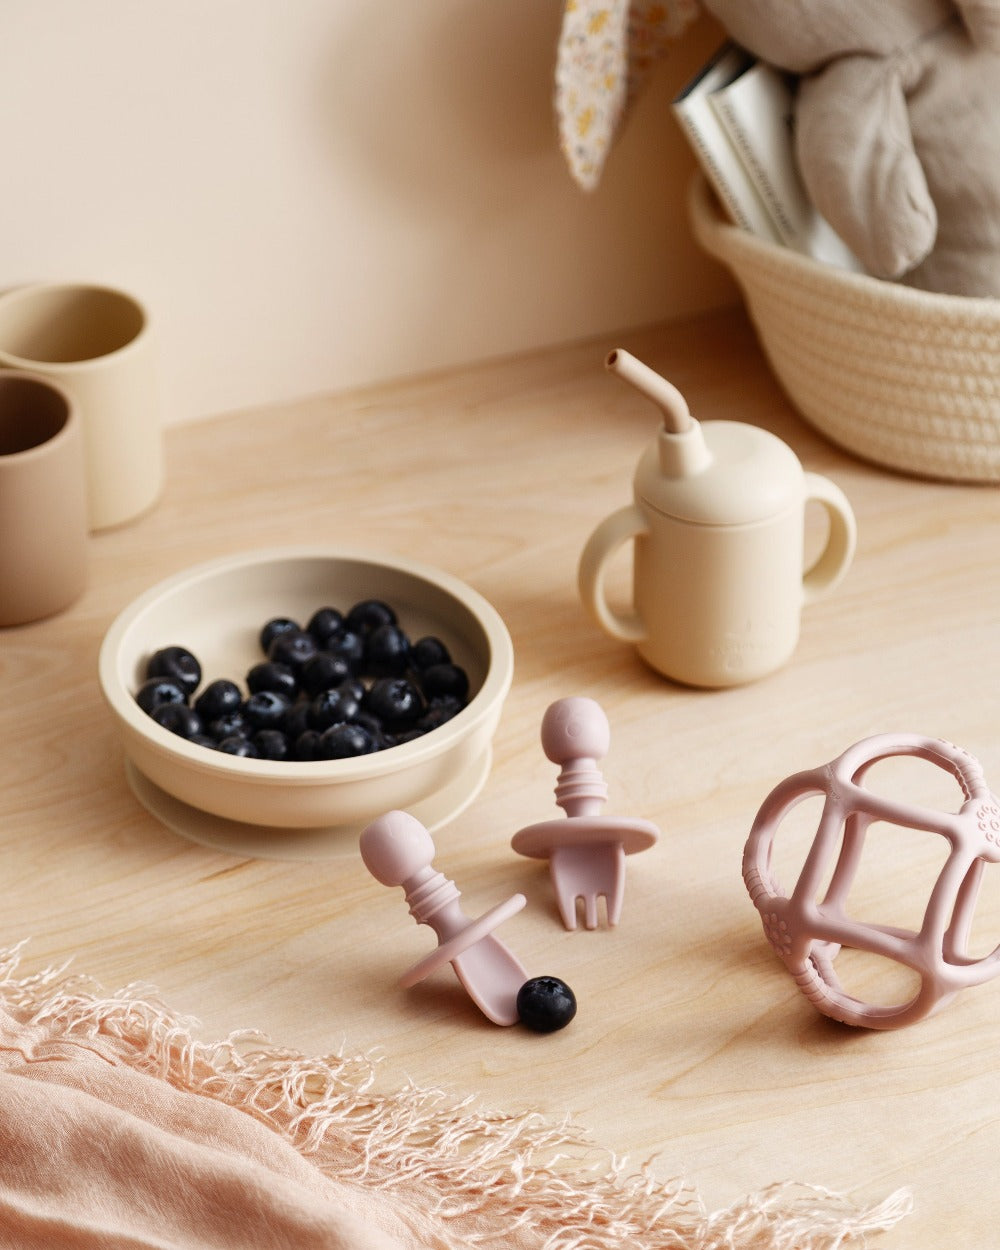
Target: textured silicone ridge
807 931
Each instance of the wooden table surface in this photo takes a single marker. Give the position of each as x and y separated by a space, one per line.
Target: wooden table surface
692 1045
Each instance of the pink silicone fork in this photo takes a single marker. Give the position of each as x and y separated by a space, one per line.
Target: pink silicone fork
586 852
398 850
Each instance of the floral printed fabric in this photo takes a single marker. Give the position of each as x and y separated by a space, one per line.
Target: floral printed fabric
605 50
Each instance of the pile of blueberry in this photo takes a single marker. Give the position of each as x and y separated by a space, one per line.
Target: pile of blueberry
343 685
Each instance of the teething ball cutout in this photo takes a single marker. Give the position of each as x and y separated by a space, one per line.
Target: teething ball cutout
819 921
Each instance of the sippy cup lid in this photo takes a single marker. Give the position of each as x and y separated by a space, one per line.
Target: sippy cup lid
715 473
719 473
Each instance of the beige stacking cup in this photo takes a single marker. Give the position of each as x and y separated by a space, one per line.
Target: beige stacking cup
97 343
43 505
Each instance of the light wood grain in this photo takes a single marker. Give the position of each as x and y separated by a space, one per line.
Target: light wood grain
691 1046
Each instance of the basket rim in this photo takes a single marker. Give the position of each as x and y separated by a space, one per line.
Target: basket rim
733 245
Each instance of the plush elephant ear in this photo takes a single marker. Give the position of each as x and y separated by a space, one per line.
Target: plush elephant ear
856 156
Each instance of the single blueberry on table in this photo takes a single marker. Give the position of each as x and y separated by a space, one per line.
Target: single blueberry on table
545 1004
177 663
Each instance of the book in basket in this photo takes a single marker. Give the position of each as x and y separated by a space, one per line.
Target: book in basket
738 115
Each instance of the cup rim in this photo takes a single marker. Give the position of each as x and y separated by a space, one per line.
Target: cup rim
19 294
66 430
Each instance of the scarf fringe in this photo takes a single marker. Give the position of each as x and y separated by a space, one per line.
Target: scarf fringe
484 1175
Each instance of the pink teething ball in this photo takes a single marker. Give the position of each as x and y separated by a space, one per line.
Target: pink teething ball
808 927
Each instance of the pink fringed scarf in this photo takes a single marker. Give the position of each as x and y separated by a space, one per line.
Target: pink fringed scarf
120 1131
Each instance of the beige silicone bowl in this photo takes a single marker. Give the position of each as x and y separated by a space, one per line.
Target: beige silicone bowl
907 379
216 610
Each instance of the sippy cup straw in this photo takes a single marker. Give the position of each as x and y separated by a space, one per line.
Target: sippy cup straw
586 852
677 417
398 850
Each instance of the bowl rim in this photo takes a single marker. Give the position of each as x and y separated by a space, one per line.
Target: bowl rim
496 682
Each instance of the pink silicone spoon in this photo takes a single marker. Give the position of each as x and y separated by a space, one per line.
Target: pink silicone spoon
398 850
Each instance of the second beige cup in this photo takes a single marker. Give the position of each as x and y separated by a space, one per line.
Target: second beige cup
97 343
43 506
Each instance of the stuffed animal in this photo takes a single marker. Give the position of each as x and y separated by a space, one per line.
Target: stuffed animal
897 127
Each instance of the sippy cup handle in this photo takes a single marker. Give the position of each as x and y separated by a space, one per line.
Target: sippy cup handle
833 561
612 533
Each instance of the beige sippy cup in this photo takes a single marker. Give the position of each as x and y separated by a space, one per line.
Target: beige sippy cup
718 523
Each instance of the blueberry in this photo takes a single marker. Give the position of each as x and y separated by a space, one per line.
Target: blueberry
271 744
297 720
323 623
373 725
218 699
203 740
439 712
323 672
178 718
345 741
428 651
157 691
369 614
293 648
239 746
545 1004
267 675
349 645
395 701
177 663
332 706
277 625
444 679
355 686
267 709
344 685
387 652
229 725
307 746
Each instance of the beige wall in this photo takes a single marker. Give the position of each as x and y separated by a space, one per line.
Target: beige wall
317 194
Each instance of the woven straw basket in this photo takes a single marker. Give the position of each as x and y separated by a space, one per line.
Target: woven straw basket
907 379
